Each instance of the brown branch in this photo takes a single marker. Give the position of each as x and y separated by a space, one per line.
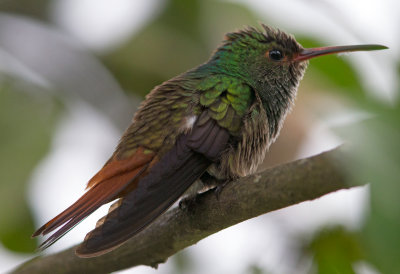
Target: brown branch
177 229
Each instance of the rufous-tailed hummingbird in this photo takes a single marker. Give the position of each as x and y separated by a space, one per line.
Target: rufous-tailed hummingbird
216 120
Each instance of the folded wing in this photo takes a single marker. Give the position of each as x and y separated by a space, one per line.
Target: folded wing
167 180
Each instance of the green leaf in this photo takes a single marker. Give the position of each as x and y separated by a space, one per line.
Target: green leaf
335 250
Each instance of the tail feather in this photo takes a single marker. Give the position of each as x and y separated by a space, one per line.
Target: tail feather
104 187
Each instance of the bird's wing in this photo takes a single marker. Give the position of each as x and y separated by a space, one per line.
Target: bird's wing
167 180
115 177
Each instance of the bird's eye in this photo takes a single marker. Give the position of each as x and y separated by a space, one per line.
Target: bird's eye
275 55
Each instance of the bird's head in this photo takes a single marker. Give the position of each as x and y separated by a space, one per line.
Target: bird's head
270 57
272 62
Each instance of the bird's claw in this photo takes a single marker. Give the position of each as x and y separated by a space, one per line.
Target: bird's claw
218 189
188 203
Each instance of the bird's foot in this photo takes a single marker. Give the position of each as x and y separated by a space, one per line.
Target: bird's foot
218 189
188 203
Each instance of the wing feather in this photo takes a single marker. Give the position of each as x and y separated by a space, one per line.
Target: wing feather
167 180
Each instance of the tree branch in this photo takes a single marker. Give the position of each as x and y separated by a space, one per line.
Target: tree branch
240 200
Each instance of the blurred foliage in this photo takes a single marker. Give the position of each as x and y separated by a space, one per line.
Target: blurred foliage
375 158
26 122
255 269
175 41
335 250
181 36
37 9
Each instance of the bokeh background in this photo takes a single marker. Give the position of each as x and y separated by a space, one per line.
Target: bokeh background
72 73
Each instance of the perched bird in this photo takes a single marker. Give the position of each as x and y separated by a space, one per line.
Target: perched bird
214 121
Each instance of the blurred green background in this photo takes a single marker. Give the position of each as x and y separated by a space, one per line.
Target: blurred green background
53 66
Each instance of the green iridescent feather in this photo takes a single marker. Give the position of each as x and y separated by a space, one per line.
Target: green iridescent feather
227 100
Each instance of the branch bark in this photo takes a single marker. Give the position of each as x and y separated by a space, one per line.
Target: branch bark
240 200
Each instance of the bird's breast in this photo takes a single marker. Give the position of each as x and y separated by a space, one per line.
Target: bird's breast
248 150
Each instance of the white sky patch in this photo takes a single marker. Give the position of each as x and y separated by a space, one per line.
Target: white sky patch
102 24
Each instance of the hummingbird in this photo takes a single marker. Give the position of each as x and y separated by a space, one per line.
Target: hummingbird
216 121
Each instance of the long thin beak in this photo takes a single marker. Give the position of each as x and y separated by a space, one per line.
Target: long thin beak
315 52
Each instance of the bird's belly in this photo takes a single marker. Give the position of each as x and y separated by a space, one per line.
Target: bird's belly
243 157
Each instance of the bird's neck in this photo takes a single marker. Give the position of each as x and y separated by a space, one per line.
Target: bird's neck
277 103
222 62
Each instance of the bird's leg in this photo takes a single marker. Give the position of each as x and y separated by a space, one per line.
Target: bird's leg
206 183
188 203
189 198
218 189
215 184
209 181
